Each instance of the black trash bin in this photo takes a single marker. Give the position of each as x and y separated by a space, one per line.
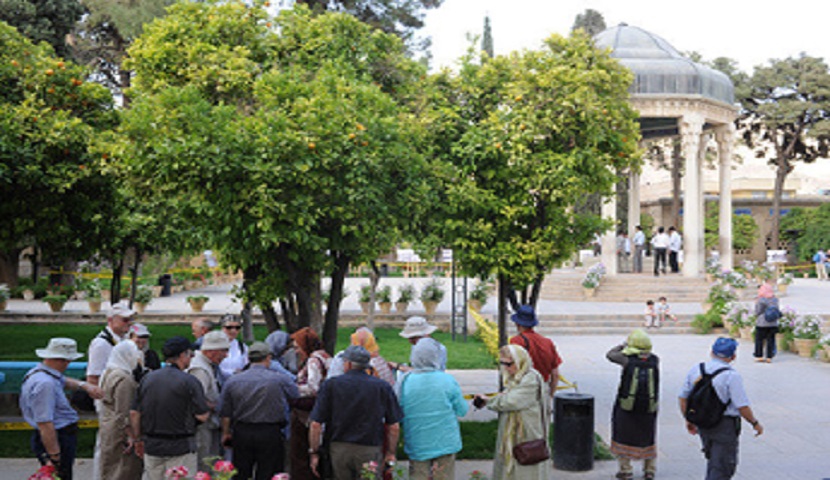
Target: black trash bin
384 270
573 430
166 282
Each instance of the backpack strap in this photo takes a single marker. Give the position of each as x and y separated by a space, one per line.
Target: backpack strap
527 342
38 370
715 374
106 335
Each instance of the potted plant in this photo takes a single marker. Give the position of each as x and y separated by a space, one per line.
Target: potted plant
431 295
406 293
384 298
4 296
720 298
197 302
94 296
807 332
739 320
56 302
143 297
784 281
590 284
824 343
713 268
365 298
479 295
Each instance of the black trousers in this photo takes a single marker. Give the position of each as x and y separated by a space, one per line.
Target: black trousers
675 267
258 447
659 256
765 337
68 443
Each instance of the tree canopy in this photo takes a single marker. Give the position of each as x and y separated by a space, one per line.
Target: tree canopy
47 21
52 189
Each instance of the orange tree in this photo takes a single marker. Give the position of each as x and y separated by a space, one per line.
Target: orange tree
287 142
53 194
522 138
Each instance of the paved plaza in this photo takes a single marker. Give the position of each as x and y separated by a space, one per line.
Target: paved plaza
789 396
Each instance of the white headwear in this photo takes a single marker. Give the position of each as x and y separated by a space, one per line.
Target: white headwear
124 356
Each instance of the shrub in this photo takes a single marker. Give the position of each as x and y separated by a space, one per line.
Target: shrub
384 294
4 292
740 316
807 327
704 322
481 292
55 298
406 293
433 292
144 294
198 298
365 293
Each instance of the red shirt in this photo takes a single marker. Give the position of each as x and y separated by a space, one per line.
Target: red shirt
542 351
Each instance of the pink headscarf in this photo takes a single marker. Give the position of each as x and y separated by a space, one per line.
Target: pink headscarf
765 291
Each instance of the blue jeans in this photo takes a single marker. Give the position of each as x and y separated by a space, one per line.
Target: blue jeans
68 443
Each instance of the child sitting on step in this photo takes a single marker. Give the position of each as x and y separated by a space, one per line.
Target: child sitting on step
664 312
651 315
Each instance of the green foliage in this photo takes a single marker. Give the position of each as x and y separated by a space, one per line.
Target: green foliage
482 291
54 192
384 294
703 323
365 293
144 294
517 153
406 293
5 292
55 299
591 22
433 291
197 298
43 21
810 229
744 229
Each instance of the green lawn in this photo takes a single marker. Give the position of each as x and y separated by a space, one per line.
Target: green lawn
478 438
19 341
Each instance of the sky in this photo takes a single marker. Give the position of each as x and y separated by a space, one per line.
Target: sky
750 32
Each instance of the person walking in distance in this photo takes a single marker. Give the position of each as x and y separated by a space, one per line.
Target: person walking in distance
639 248
675 245
660 242
713 395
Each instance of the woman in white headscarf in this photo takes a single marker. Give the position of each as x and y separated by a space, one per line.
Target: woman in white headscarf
523 414
117 457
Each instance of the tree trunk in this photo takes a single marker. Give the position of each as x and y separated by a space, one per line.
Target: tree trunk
537 288
676 164
247 323
502 317
374 279
134 276
272 320
115 287
338 277
9 266
289 313
778 191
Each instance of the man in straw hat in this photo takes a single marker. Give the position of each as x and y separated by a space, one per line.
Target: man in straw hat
46 408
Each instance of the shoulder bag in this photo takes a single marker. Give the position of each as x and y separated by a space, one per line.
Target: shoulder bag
534 451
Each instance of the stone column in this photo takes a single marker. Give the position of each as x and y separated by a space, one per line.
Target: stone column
725 136
633 204
691 127
609 238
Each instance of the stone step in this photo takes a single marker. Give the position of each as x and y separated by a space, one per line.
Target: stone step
621 331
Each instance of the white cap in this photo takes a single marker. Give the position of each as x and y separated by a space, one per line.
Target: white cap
139 330
215 340
64 348
120 310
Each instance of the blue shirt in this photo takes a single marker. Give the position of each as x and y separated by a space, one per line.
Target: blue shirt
431 403
729 385
355 406
258 395
42 398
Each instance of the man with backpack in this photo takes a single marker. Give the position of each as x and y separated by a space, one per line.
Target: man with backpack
713 401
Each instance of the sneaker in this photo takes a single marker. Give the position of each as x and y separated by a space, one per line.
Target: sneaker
648 476
624 476
760 360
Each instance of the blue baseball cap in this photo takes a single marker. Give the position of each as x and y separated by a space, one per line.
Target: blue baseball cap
724 347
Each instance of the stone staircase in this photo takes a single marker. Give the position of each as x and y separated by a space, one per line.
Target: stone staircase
627 287
604 324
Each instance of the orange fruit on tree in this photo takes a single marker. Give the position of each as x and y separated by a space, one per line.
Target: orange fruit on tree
311 145
50 72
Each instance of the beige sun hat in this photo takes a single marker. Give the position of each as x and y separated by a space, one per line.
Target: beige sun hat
215 340
417 327
64 348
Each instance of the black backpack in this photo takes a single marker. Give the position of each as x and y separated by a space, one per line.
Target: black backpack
703 407
639 385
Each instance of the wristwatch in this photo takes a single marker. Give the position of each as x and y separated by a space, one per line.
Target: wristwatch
312 451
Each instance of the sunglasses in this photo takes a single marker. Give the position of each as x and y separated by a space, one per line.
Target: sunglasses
506 364
232 327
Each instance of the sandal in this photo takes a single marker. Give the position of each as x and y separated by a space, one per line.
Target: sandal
624 476
648 476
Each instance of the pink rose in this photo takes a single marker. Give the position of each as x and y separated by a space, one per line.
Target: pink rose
202 476
223 466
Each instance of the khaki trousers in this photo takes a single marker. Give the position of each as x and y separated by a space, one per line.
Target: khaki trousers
154 467
441 468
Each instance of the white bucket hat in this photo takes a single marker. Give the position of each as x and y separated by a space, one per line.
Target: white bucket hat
215 340
417 327
64 348
140 330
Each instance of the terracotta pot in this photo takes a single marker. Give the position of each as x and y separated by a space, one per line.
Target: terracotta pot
94 306
385 307
365 306
475 305
782 289
197 305
805 346
56 306
140 307
400 307
746 333
827 353
589 292
3 306
28 295
430 307
157 291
